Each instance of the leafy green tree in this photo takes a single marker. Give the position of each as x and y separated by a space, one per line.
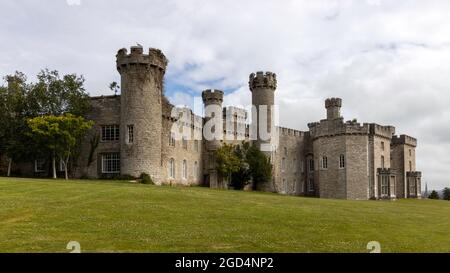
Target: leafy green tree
53 95
114 87
241 177
260 167
227 161
13 114
446 194
434 195
60 135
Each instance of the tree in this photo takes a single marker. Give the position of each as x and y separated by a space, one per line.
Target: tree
446 193
13 114
227 161
241 177
260 167
434 195
114 87
60 135
53 95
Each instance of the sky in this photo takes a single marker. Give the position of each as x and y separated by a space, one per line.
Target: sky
388 60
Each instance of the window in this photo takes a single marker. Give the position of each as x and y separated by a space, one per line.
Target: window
342 161
185 175
172 168
196 170
311 165
283 164
39 165
412 187
294 165
111 163
311 184
196 145
285 185
285 151
185 143
382 145
384 185
172 139
130 130
382 161
302 166
410 152
110 133
324 162
410 166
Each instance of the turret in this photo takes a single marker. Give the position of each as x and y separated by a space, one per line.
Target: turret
141 110
333 106
213 129
263 86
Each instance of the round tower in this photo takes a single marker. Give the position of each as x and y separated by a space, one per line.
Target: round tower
141 110
333 106
212 100
263 86
213 133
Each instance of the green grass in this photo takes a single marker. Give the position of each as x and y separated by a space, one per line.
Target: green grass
44 215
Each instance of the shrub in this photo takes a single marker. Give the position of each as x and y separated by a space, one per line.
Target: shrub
146 179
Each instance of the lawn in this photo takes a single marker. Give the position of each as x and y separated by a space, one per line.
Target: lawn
108 216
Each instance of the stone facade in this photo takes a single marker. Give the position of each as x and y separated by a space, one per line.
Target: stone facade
141 132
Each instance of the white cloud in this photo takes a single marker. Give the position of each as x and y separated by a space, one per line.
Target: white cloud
388 60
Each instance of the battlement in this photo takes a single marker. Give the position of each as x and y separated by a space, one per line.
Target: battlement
282 131
382 131
137 59
333 102
212 96
328 128
414 174
266 80
404 139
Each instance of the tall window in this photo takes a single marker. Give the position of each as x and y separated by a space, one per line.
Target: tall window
130 129
410 152
283 164
382 145
324 162
412 187
311 165
196 171
285 151
294 165
302 166
382 161
185 175
185 143
172 168
39 165
311 184
196 145
110 133
111 163
384 185
342 161
172 139
410 166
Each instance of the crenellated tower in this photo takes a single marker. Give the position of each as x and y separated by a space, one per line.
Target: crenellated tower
213 132
333 106
263 86
141 110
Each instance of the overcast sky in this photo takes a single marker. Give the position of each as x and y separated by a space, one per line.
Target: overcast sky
388 60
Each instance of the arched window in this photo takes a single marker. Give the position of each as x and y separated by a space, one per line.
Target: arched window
185 169
283 164
324 162
172 168
196 171
342 161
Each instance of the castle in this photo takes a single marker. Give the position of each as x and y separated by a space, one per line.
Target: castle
134 134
